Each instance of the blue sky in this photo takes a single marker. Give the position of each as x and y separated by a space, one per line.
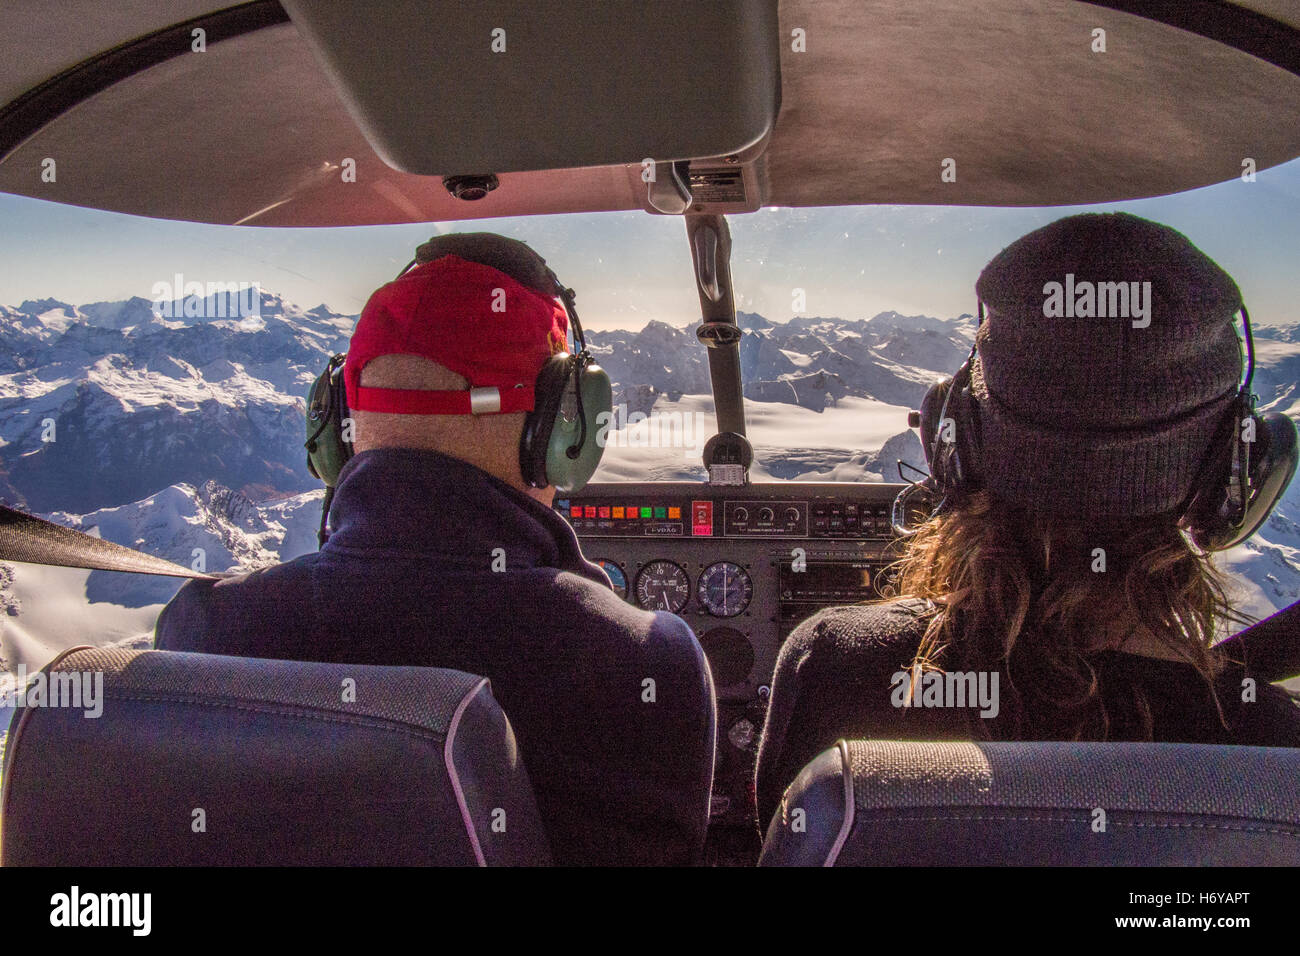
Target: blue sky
629 268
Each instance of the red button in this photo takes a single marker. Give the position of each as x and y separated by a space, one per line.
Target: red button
604 512
702 519
590 511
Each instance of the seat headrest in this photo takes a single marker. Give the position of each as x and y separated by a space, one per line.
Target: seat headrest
154 757
892 803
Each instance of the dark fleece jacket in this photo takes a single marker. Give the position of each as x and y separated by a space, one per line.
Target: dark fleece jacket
407 579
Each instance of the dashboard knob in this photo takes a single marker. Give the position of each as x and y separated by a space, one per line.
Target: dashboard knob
792 515
740 514
765 514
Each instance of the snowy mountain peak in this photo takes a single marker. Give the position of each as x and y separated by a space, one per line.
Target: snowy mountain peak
37 307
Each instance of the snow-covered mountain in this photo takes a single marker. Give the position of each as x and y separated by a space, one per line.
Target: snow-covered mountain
45 610
104 404
107 403
209 528
809 362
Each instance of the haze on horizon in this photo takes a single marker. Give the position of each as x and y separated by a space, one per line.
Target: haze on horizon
630 268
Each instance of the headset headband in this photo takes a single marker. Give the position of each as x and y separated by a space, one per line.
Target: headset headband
429 251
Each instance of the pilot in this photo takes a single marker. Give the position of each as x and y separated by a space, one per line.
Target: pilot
1052 594
443 555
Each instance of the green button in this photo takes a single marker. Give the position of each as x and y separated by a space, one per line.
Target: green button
645 512
661 512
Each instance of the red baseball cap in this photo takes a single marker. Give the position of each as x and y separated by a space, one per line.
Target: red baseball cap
470 318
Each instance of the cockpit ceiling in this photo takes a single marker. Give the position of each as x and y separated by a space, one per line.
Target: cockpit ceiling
252 131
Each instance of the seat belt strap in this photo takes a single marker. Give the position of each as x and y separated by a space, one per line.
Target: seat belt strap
34 540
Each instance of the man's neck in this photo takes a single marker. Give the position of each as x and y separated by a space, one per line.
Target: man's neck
544 496
504 471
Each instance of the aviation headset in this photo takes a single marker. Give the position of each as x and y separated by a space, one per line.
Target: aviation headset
1234 491
557 445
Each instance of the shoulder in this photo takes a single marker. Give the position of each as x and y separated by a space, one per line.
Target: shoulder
610 618
227 615
617 630
1271 719
842 650
859 631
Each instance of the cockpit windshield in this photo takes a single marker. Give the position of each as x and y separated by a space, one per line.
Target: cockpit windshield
154 371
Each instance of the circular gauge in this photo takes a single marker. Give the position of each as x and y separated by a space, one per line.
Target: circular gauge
616 576
725 589
731 656
662 586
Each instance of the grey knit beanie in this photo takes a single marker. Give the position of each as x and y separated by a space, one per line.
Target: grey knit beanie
1100 401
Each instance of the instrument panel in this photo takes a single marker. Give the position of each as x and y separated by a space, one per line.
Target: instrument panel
743 566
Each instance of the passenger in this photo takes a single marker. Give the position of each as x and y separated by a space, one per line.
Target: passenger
1058 570
444 556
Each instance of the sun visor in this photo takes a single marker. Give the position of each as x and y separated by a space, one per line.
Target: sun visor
488 86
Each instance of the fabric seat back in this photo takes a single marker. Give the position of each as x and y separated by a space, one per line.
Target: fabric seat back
892 803
197 759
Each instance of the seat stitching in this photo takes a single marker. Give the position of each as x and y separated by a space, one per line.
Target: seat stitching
290 710
1119 823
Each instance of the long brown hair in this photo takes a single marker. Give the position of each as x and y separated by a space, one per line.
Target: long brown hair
1036 598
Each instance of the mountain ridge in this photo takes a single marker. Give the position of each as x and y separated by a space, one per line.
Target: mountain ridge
135 401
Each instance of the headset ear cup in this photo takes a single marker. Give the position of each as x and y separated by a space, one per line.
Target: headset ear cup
965 452
931 407
1273 465
917 503
343 414
548 392
1203 513
327 408
575 447
1214 521
951 449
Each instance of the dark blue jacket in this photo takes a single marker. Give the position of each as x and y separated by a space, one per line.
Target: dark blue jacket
407 579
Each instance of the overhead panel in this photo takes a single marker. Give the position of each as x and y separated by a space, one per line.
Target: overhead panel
874 98
1023 98
442 87
42 38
